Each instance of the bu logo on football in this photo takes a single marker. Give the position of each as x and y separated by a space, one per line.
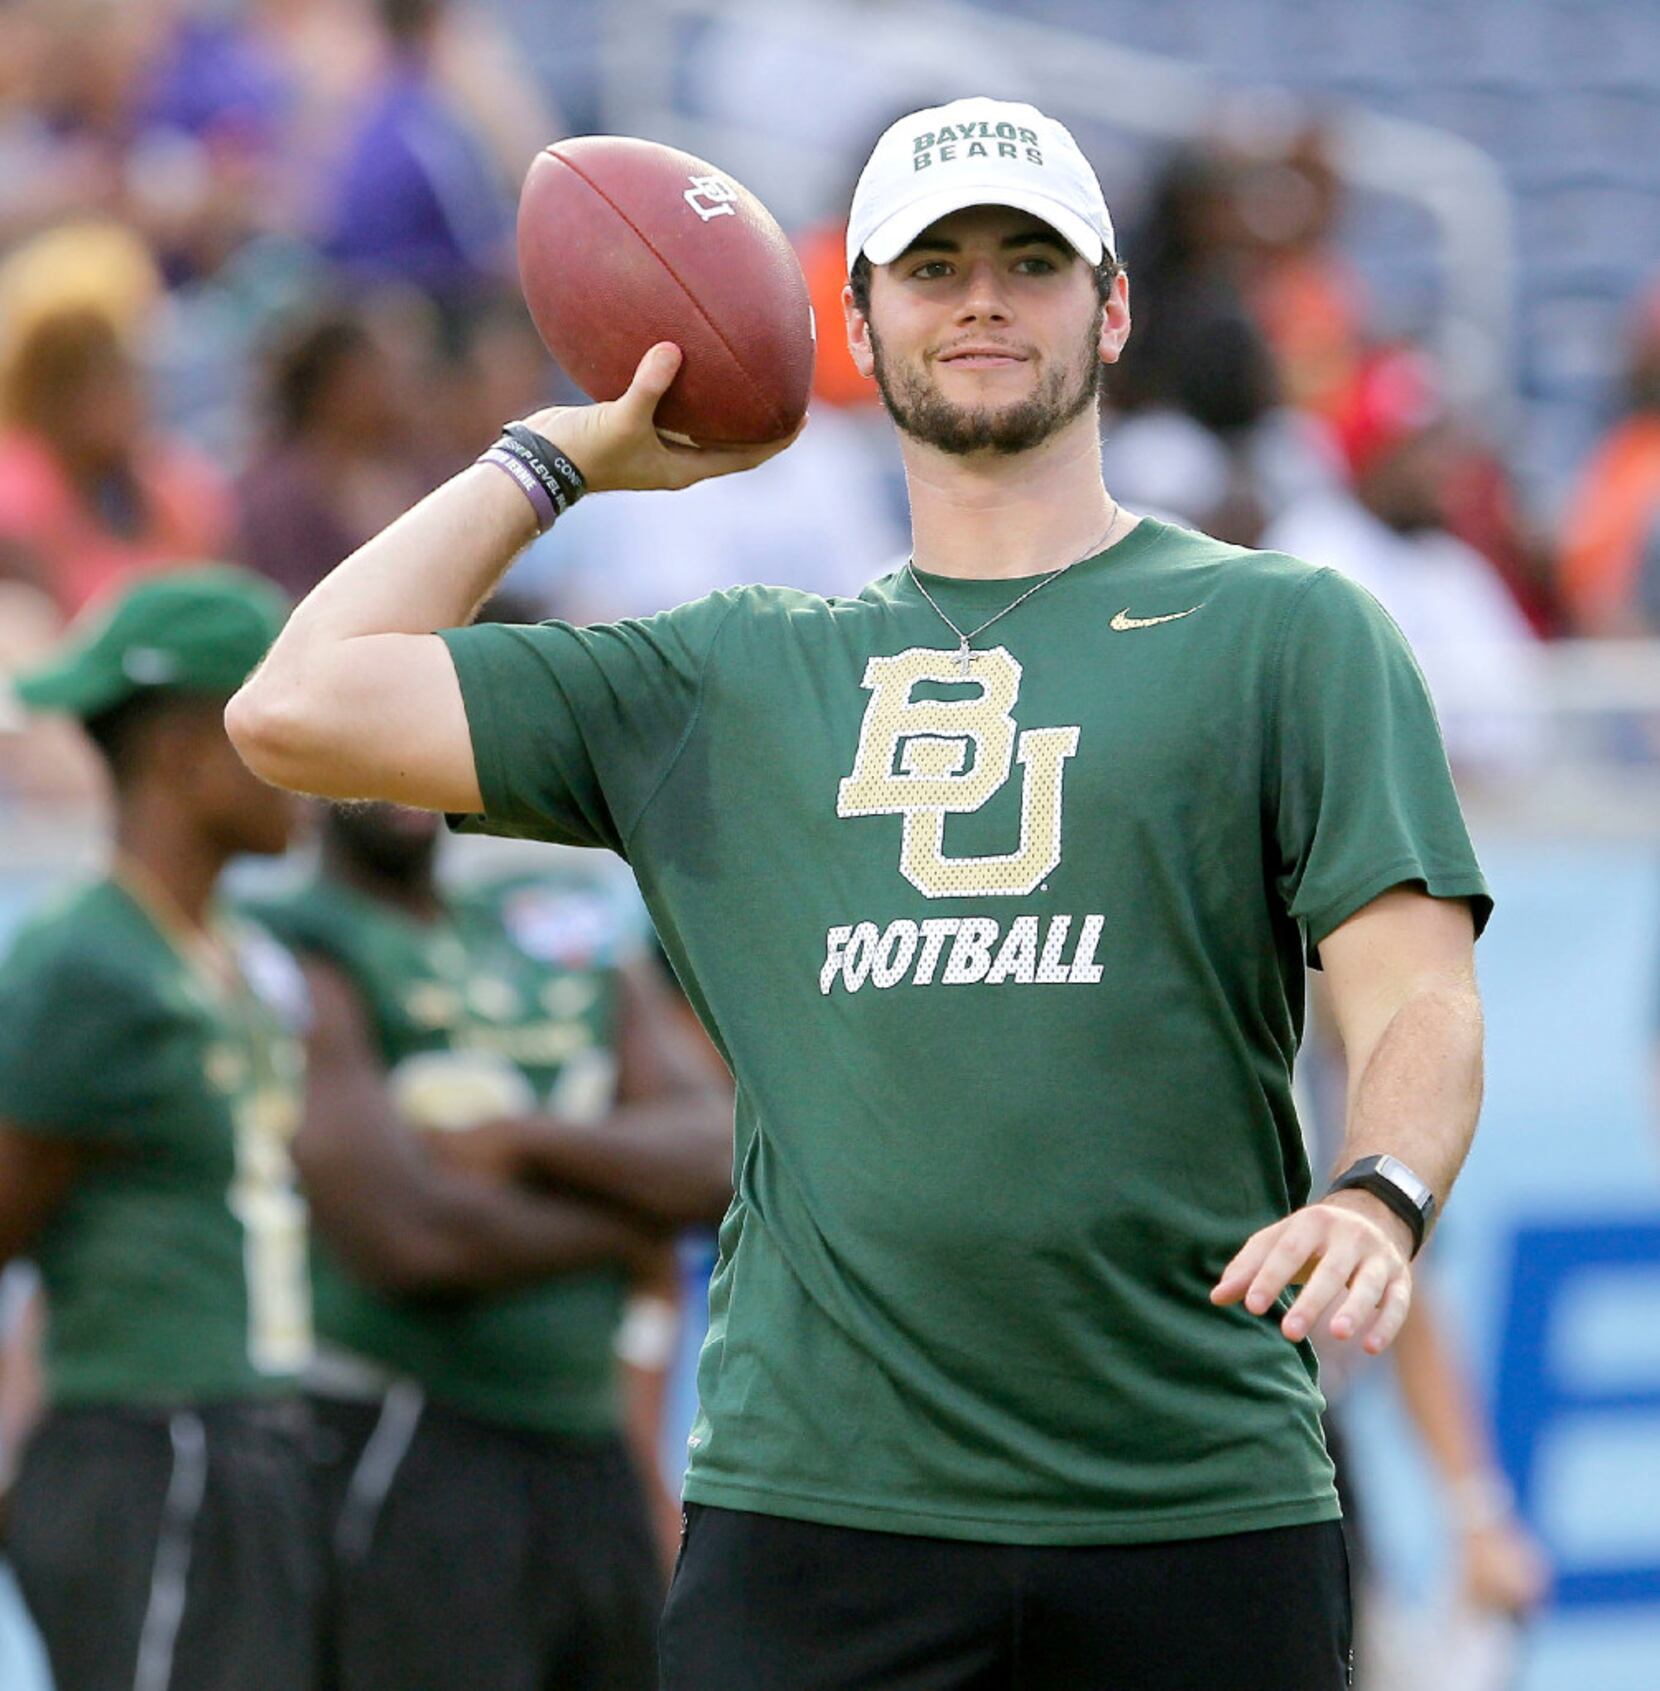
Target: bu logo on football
913 761
711 196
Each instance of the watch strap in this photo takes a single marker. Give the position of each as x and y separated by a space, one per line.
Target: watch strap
1395 1191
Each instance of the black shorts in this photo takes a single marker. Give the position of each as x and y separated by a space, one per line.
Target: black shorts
780 1605
465 1555
169 1549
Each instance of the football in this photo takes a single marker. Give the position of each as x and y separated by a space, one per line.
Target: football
623 243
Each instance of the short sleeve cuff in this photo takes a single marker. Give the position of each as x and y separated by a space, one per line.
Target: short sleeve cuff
483 729
1460 883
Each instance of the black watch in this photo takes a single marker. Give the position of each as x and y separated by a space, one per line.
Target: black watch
1393 1183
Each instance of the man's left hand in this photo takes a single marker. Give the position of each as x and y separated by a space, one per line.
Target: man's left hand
1350 1256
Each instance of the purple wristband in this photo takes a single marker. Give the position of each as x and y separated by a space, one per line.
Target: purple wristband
527 484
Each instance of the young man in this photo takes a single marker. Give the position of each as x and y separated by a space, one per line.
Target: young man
485 1522
995 887
150 1080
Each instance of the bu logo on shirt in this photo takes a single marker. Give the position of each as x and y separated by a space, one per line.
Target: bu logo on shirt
913 761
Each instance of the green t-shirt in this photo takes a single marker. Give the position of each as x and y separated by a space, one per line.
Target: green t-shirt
175 1270
506 1005
1010 975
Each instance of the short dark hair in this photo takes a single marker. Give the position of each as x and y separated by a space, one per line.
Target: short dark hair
1106 272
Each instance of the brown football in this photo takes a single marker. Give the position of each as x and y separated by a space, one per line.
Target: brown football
624 243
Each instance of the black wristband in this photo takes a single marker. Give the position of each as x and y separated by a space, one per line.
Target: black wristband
502 457
563 482
1396 1187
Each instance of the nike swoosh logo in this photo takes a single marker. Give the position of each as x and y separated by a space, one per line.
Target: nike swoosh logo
1124 620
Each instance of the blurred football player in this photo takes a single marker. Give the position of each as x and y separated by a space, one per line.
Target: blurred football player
150 1084
486 1518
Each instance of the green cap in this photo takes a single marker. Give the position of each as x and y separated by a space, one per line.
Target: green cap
198 630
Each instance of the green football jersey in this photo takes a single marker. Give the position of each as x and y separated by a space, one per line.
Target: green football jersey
175 1270
506 1005
1009 970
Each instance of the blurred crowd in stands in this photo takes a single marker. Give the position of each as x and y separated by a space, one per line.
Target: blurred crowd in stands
257 294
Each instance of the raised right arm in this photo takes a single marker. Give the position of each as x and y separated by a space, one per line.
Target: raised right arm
358 698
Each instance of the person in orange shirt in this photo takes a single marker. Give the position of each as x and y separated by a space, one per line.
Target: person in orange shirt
90 495
1617 499
1308 298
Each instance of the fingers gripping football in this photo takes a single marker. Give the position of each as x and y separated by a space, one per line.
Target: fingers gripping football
616 444
1351 1274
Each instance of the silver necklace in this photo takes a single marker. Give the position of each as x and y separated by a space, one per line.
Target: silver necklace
964 656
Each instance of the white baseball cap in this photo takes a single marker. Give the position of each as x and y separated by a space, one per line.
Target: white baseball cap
969 153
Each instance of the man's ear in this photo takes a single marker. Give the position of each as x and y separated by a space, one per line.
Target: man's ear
1115 319
858 336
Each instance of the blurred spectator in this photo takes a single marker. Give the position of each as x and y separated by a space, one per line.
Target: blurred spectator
488 366
1224 456
1389 533
1483 510
88 263
214 78
69 74
1617 501
1308 298
329 51
90 493
1199 432
1216 450
425 190
169 117
1186 254
481 67
334 468
204 163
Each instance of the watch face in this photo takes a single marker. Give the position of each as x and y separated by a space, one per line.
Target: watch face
1396 1172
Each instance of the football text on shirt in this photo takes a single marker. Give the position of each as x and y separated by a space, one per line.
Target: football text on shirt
980 950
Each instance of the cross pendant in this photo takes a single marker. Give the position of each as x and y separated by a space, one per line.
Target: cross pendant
964 659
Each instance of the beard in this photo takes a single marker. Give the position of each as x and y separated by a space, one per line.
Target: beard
919 409
372 838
